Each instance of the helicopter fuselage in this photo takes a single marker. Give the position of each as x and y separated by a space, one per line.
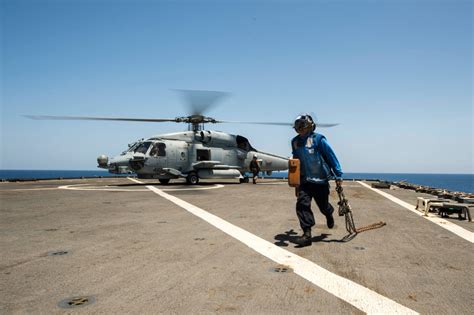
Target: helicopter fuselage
191 155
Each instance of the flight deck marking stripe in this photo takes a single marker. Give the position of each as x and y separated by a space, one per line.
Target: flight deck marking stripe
454 228
88 187
355 294
29 189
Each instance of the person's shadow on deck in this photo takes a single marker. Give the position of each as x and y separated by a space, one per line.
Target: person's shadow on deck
283 240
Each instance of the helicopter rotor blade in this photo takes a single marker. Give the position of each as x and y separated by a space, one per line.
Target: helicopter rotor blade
326 125
48 117
200 101
178 119
271 123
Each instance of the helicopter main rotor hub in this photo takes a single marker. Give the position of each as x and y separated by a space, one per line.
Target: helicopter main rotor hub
196 122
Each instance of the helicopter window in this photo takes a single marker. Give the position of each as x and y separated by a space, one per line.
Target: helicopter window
203 155
143 147
133 146
161 149
154 150
158 149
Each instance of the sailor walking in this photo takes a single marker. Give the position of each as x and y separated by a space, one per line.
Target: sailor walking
254 168
318 164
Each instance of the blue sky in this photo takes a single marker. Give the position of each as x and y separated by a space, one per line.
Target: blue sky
396 75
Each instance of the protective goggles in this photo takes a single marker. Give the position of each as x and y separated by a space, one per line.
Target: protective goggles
301 123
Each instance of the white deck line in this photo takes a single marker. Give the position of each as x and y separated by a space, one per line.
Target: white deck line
454 228
87 187
355 294
29 189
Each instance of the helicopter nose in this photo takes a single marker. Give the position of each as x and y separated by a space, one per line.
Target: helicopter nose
117 165
103 161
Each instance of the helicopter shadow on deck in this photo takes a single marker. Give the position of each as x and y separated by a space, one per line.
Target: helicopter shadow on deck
283 240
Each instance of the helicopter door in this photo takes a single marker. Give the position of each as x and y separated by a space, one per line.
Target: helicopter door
158 151
203 155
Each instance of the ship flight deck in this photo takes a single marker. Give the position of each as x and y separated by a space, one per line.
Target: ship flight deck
126 245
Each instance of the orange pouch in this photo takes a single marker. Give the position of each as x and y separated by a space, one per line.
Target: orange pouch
293 172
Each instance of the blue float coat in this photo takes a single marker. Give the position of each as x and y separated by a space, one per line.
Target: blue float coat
318 160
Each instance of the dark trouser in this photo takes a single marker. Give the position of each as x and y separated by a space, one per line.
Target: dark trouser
320 193
255 174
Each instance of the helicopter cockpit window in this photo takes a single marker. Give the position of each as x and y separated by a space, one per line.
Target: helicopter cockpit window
244 144
143 147
132 147
158 149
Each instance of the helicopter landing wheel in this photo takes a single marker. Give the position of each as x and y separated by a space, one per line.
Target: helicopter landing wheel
244 180
192 179
164 181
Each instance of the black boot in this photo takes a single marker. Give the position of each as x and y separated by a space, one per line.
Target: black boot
330 221
305 239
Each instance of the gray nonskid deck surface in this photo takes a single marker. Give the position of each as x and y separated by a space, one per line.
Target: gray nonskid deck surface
137 252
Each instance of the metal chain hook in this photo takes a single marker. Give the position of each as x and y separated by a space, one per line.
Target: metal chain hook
346 210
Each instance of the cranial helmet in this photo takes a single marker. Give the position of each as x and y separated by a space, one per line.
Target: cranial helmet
304 121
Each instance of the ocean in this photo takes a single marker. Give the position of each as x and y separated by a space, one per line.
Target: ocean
452 182
50 174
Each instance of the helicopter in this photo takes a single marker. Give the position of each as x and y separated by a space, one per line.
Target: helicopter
193 154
